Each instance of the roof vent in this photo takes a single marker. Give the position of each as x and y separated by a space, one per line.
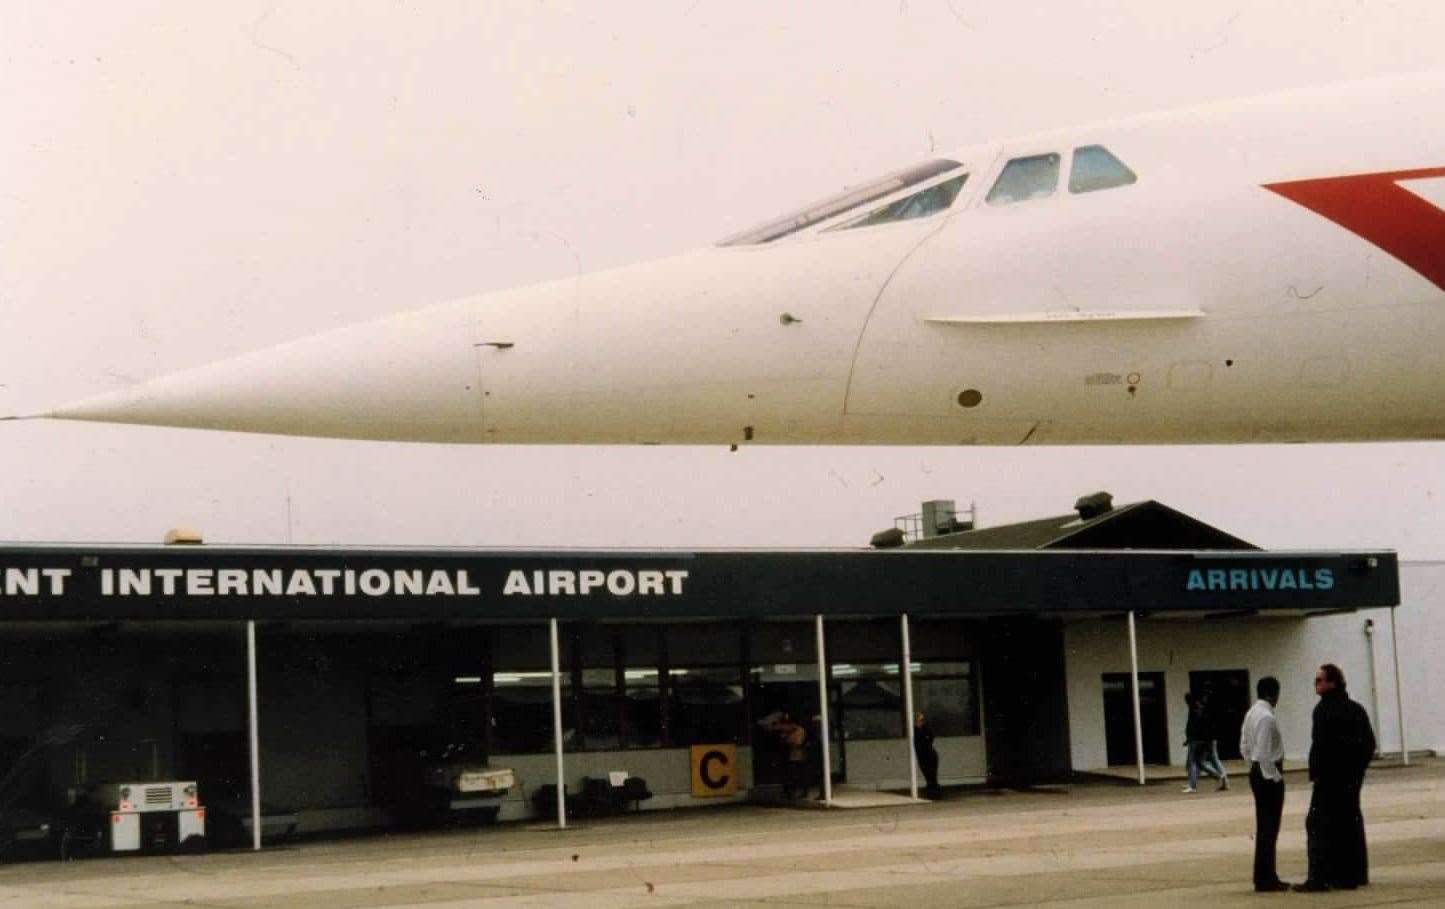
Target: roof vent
887 539
183 536
1093 505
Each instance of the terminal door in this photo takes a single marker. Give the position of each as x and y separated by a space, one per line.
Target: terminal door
1227 700
1119 718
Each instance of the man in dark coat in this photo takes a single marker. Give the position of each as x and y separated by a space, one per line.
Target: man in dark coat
927 756
1341 747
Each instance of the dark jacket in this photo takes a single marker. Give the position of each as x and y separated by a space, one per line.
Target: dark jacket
1342 743
923 740
1196 728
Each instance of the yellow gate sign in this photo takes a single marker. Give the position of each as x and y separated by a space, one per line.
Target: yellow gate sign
714 770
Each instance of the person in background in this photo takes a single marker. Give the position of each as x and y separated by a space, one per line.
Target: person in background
927 756
1209 755
1197 736
1263 747
1342 744
795 743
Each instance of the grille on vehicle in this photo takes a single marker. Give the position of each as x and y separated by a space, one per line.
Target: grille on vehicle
158 795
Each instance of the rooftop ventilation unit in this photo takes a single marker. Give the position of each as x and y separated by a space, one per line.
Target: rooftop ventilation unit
1093 505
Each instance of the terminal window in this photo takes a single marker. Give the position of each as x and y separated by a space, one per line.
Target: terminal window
706 705
945 694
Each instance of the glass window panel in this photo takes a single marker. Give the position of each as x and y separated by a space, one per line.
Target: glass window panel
522 712
706 705
1022 179
937 668
644 714
892 670
872 708
599 678
844 671
1095 168
599 720
921 204
947 704
843 202
538 678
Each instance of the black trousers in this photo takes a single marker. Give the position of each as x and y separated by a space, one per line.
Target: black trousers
795 779
928 763
1335 829
1359 854
1268 809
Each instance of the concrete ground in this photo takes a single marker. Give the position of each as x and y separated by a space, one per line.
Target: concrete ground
1089 845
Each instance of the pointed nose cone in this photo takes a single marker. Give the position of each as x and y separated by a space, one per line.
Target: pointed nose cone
409 377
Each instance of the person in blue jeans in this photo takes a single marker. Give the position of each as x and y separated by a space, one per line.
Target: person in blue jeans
1199 746
1211 726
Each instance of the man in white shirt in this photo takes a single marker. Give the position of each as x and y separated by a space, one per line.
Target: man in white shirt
1261 745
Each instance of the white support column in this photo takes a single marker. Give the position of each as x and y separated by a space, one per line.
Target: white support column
1374 683
823 713
908 709
1399 692
557 725
1134 695
254 730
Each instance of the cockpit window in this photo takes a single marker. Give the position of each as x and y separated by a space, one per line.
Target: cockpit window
1096 168
1022 179
921 204
837 205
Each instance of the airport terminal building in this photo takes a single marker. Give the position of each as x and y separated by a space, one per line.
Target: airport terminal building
369 666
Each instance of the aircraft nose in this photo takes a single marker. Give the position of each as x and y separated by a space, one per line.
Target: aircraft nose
411 377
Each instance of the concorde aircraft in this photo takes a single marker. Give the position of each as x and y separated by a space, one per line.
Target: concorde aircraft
1264 270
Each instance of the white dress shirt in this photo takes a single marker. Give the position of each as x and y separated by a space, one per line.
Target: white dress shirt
1260 741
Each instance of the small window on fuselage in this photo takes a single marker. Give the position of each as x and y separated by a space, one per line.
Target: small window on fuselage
1096 168
1022 179
921 204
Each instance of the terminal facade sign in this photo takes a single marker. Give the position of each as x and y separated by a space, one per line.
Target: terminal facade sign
714 770
227 583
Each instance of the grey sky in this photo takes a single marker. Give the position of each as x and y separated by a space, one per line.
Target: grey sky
180 182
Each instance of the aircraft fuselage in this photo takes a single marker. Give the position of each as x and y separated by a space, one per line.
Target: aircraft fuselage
1274 271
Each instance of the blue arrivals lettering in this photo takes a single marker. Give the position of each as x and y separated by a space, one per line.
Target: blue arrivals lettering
1251 579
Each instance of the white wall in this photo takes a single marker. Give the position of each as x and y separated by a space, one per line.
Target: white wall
1421 623
1280 647
1289 649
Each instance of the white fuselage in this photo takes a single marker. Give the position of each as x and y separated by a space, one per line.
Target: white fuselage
1196 304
